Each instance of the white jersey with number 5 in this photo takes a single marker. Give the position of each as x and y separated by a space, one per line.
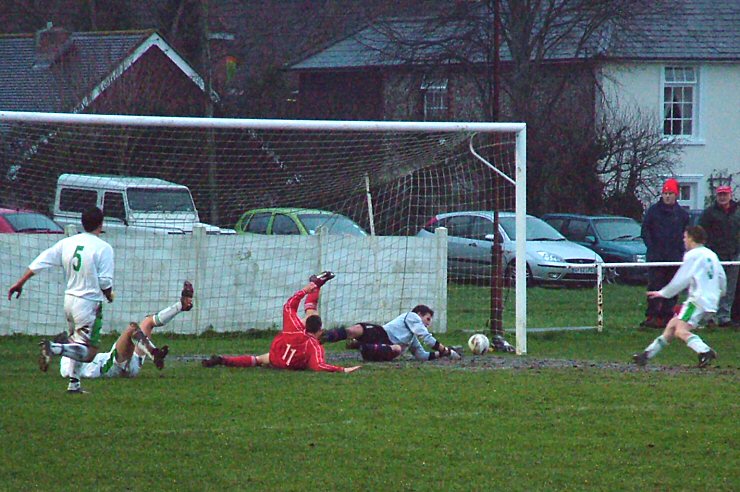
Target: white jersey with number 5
87 261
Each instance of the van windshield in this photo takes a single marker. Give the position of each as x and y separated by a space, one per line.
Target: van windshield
160 200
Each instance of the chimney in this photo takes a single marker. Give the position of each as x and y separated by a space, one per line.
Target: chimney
50 42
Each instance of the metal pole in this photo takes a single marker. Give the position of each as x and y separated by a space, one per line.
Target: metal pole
599 297
521 241
369 205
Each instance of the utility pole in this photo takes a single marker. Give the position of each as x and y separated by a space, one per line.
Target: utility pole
210 137
496 59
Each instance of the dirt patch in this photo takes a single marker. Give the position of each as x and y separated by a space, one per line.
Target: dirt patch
494 361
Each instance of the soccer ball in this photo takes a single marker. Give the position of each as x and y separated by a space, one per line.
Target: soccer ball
479 344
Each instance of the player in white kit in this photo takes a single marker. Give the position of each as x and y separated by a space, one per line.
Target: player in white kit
127 355
702 274
88 266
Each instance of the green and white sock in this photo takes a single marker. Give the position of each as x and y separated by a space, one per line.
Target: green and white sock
655 347
165 316
696 344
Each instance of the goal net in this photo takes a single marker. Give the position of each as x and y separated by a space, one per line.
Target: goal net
248 209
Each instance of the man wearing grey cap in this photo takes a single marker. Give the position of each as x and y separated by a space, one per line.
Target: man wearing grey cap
722 223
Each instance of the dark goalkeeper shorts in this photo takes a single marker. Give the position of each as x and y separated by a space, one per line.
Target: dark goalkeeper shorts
373 334
375 346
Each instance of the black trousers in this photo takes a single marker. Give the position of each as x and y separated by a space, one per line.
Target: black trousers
658 277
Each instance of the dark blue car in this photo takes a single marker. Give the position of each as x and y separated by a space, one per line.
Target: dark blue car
615 239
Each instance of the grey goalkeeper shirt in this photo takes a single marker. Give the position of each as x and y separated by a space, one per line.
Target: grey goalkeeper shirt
406 330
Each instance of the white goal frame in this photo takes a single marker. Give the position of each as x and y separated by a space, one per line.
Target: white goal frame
519 180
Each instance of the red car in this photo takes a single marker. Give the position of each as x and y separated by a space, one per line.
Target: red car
13 220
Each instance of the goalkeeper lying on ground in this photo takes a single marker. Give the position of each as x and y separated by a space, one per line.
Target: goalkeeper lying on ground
384 343
128 353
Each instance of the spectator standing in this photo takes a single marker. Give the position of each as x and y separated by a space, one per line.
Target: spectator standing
662 231
722 223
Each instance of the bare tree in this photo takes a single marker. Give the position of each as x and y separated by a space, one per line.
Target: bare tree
549 76
634 157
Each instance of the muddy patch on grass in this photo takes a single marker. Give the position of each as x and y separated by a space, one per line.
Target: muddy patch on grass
494 361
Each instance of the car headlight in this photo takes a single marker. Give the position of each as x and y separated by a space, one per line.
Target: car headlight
639 258
549 257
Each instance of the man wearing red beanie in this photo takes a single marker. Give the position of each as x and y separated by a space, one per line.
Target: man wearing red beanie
662 231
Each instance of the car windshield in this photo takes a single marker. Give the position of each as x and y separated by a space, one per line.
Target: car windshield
28 222
334 224
617 229
537 229
160 200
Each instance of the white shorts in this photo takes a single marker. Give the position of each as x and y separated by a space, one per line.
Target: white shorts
104 365
691 313
84 318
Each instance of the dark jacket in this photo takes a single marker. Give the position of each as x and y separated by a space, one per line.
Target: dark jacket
662 231
723 230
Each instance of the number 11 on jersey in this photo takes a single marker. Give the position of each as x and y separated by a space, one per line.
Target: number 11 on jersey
288 355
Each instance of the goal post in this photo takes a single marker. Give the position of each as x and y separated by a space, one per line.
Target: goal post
388 178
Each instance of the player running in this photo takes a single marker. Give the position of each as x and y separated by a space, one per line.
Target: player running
385 343
130 350
702 273
87 261
297 347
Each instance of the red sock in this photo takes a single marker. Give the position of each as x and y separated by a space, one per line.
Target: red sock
240 361
312 300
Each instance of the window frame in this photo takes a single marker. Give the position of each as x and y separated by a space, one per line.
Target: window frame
695 85
77 200
282 219
435 98
111 200
267 216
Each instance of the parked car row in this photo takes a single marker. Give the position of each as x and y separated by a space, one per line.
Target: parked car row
560 248
551 258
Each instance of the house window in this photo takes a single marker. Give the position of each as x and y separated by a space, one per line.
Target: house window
680 92
684 192
434 91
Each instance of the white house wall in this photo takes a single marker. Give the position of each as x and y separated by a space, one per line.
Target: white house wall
717 146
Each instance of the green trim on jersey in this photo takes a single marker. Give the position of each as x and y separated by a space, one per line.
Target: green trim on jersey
688 312
109 363
97 326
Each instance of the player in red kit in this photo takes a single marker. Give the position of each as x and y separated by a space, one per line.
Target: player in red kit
297 347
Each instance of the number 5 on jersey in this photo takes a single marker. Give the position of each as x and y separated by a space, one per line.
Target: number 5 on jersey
77 259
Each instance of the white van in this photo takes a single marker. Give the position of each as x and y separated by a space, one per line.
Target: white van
136 203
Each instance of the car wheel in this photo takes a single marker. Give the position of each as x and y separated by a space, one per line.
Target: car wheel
510 275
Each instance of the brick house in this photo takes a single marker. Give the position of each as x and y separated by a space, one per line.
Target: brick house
128 72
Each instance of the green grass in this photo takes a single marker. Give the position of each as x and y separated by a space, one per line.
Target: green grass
433 426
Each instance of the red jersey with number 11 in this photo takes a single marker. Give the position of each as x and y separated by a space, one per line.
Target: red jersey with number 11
294 348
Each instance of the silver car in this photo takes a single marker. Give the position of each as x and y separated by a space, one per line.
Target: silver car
550 257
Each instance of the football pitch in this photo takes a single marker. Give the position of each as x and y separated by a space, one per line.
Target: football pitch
573 414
